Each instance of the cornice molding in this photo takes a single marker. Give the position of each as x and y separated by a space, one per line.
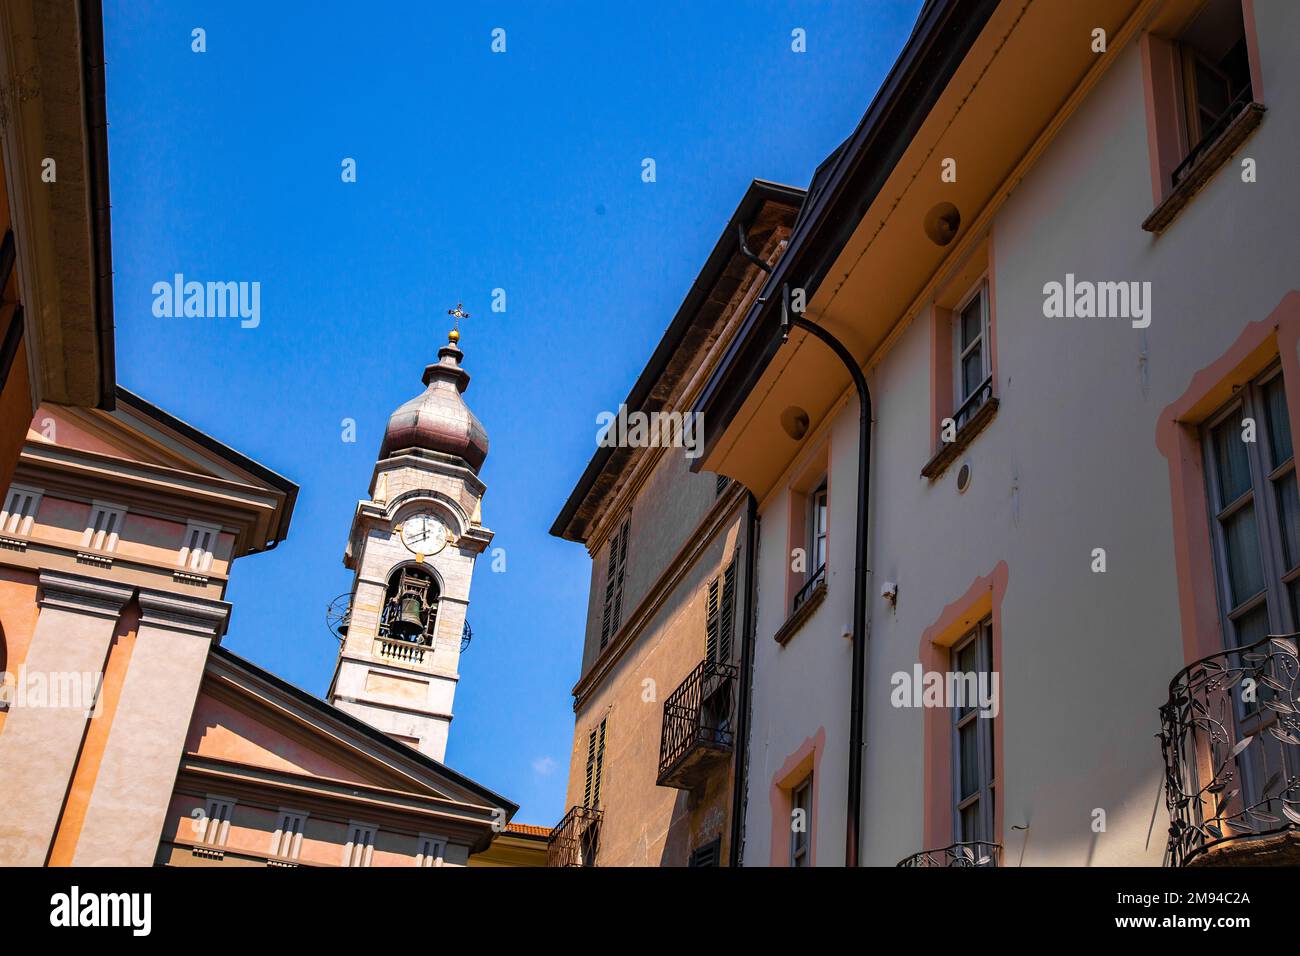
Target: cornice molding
83 595
184 614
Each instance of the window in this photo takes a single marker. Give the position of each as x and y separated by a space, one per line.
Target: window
710 854
214 826
801 823
104 527
21 504
1214 64
1251 483
972 772
595 766
721 486
720 615
431 850
197 546
972 355
612 615
361 844
817 526
286 842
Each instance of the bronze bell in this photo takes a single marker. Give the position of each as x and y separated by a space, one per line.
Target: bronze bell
409 621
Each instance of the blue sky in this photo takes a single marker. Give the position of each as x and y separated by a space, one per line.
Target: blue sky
475 170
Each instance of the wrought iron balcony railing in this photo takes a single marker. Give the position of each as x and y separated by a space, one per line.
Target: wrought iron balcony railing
805 592
1230 736
698 727
977 853
575 839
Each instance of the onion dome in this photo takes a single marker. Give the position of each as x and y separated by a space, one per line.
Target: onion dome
438 419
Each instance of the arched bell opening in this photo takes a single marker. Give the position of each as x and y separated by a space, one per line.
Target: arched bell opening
410 606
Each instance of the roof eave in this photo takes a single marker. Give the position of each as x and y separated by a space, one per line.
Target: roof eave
759 192
945 32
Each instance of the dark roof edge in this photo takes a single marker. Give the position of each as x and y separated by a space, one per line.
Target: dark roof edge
94 107
943 35
758 192
204 440
378 736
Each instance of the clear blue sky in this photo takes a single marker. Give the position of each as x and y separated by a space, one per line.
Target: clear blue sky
475 171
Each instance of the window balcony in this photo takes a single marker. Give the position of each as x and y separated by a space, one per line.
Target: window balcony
1230 736
975 854
698 733
575 839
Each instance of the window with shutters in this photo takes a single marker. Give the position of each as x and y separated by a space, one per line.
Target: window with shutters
710 854
20 507
595 766
720 615
286 842
612 614
104 527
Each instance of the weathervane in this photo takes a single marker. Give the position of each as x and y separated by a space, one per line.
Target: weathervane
457 313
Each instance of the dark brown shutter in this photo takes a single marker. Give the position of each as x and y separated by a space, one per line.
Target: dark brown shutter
591 768
711 622
600 765
728 613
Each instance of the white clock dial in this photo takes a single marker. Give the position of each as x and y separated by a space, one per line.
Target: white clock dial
424 534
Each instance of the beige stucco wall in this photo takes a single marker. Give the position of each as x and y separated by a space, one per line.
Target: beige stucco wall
1068 464
644 824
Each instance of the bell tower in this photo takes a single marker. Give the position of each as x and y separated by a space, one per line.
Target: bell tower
412 547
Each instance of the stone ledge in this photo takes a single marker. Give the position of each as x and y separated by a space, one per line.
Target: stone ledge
1203 170
800 616
946 455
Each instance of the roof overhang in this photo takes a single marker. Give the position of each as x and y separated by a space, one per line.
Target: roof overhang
979 80
678 352
52 74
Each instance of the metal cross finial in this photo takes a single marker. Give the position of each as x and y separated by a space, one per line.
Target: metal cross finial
458 313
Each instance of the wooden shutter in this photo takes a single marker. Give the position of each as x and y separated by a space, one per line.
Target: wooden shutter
600 765
591 767
728 613
607 625
612 614
711 622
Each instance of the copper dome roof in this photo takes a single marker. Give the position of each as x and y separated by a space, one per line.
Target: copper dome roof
438 419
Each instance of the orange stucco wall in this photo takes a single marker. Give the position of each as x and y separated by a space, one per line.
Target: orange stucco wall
18 614
92 750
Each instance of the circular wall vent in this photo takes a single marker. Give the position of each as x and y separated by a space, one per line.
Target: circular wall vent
795 422
963 477
942 222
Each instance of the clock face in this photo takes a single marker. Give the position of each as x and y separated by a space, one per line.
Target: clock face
424 534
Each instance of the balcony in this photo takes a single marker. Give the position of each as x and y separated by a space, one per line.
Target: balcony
575 839
1230 736
975 854
697 730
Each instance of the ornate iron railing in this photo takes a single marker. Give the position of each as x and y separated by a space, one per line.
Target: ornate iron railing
805 592
1230 736
697 717
573 841
976 853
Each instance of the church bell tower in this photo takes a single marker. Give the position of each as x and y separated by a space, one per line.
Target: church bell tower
412 547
